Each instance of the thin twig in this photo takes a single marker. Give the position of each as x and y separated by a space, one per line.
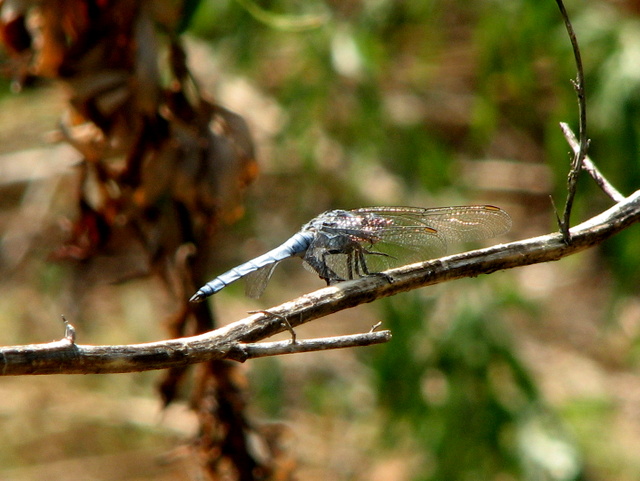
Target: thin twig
69 331
578 85
62 357
241 352
283 319
589 166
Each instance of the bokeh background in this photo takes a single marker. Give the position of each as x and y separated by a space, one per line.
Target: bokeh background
522 375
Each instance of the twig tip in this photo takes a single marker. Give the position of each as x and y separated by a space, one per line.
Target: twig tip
69 331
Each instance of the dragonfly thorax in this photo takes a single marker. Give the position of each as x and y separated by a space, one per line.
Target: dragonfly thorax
347 224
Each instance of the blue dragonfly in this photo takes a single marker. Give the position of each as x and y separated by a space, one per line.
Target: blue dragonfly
344 244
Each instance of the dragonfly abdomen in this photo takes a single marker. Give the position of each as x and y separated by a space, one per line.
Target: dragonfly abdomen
296 245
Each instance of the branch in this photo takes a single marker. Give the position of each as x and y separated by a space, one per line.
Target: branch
66 357
579 156
589 166
242 352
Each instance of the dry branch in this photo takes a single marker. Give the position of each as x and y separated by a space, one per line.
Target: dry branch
65 357
581 153
242 352
590 166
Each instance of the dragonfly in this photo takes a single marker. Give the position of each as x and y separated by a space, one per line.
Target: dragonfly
339 245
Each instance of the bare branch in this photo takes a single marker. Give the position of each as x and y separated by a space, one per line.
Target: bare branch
589 166
579 156
63 357
242 352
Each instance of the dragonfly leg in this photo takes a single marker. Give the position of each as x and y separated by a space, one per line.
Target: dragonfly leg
376 253
325 272
352 265
365 268
332 277
360 263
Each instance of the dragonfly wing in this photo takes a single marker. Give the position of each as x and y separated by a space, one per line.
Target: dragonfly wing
411 234
452 224
256 281
396 246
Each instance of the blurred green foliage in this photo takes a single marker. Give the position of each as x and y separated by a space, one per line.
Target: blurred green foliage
460 388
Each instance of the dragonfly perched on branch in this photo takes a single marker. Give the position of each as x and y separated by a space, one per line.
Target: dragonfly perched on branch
344 244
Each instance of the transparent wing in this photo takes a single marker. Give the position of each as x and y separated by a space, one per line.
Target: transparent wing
412 234
452 224
256 281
